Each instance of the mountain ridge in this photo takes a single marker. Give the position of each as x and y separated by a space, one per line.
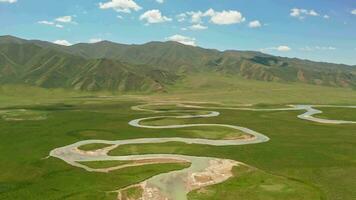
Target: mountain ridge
151 66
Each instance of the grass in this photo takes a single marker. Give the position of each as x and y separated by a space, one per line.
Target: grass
208 132
316 155
24 144
253 184
208 87
105 164
305 151
338 113
14 115
132 193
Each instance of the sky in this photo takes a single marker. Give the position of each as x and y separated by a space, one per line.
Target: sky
320 30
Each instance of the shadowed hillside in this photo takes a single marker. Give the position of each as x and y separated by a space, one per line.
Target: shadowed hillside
150 67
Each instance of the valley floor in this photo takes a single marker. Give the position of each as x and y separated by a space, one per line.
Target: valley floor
301 161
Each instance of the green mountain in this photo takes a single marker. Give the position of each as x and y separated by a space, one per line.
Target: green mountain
150 67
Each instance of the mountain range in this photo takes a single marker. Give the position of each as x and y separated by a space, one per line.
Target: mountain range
150 67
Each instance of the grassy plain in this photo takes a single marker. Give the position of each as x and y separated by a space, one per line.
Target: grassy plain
311 153
338 113
254 184
317 159
226 89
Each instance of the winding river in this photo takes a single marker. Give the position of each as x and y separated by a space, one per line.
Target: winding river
202 172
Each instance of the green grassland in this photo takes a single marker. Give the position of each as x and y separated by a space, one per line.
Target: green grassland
15 114
132 193
338 113
254 184
320 157
232 89
315 154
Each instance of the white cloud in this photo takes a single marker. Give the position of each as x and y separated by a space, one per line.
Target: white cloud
64 19
62 42
181 17
183 40
59 26
49 23
58 22
95 40
353 12
221 18
313 13
46 22
254 24
197 27
326 17
160 1
282 48
302 13
196 16
154 17
227 17
8 1
125 6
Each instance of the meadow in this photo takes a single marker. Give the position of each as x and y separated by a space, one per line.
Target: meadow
303 159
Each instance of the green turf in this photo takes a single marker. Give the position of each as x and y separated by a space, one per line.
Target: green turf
312 153
338 113
213 88
306 151
20 114
253 184
132 193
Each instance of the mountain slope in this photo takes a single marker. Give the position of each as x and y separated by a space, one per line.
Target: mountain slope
44 66
150 67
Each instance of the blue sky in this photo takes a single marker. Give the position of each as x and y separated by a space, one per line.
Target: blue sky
322 30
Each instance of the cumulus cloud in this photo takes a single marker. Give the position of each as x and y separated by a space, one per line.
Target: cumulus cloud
281 48
183 40
62 42
254 24
46 22
196 16
154 17
58 22
95 40
49 23
227 17
160 1
224 17
301 13
64 19
59 26
353 12
197 27
125 6
181 17
8 1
